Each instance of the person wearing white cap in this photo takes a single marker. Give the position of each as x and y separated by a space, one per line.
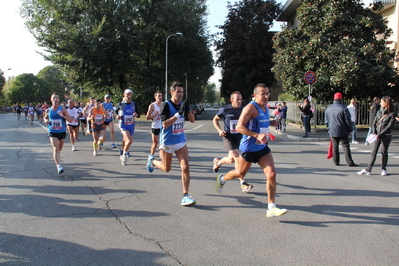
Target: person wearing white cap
109 120
127 110
173 139
153 114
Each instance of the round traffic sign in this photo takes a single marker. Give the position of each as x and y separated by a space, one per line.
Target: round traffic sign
310 77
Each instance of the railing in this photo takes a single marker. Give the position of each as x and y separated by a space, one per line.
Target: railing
363 112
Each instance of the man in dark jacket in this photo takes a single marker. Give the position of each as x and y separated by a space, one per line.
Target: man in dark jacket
338 122
373 111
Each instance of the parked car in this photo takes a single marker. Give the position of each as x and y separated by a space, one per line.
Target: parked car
195 109
208 105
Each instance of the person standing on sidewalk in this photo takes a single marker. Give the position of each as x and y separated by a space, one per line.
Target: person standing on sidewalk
338 122
253 124
382 130
353 112
375 107
173 139
306 116
231 137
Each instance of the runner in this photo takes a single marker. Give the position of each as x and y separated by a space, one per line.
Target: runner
127 111
73 127
18 110
109 121
86 111
31 111
153 114
83 119
97 118
55 119
254 125
39 112
231 137
25 109
173 139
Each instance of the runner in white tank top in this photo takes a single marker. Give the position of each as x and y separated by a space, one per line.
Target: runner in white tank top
153 114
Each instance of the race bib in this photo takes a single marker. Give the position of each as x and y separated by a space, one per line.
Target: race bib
233 126
178 126
56 124
98 119
109 115
128 120
263 130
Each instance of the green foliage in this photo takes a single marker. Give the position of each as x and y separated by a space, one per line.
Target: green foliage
209 93
27 88
245 50
338 41
108 46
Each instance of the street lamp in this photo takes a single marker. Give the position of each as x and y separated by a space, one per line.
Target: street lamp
166 63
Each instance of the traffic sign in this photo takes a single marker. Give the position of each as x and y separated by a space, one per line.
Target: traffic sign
310 77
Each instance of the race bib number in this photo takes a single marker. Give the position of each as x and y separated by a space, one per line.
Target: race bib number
109 115
233 126
263 130
98 120
128 120
178 126
56 124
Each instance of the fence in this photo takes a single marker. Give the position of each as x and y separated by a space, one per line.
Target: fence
363 112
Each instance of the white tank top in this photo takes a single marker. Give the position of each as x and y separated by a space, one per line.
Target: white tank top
156 121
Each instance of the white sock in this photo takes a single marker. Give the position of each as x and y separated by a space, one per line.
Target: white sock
242 182
271 206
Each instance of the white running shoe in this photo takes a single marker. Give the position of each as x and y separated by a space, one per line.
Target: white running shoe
383 172
95 153
73 148
363 172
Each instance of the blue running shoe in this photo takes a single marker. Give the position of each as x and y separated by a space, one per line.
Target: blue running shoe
113 145
60 169
150 165
187 200
128 154
120 152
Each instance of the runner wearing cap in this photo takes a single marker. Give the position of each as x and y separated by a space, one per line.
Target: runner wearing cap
109 120
153 114
127 111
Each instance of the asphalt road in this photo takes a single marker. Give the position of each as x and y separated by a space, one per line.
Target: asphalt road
102 213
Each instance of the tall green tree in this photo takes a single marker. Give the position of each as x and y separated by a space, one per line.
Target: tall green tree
245 48
110 45
27 88
344 44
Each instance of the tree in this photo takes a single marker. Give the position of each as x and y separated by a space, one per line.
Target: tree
209 93
110 45
344 44
27 88
245 50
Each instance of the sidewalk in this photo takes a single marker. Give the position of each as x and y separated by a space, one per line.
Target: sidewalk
295 132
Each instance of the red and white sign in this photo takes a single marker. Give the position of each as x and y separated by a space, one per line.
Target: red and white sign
310 77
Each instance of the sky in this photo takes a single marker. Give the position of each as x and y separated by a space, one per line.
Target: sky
19 51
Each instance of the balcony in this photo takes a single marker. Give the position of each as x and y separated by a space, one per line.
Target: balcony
386 3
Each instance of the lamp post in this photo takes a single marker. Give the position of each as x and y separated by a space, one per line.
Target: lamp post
166 63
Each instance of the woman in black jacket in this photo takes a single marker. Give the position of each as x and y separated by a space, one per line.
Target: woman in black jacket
382 130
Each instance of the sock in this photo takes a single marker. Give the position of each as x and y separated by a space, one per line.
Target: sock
222 180
185 194
94 146
59 165
243 181
271 206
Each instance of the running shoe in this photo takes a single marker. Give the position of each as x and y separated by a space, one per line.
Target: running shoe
100 146
150 165
275 212
128 154
363 172
95 153
245 187
123 158
187 200
76 139
60 169
215 165
73 148
120 152
383 172
218 184
113 145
